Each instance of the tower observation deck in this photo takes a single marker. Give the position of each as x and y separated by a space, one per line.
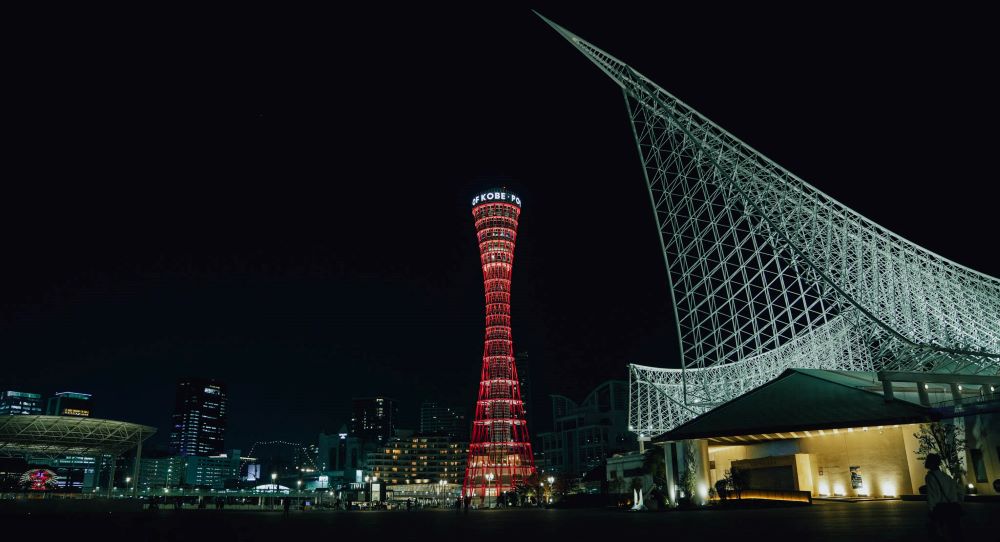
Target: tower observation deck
500 455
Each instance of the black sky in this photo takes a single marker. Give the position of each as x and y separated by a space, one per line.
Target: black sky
282 200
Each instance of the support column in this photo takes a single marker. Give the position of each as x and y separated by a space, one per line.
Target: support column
887 390
922 393
956 394
668 463
135 467
702 475
111 476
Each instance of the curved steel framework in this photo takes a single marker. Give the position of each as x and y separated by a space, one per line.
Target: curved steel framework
500 455
768 273
57 436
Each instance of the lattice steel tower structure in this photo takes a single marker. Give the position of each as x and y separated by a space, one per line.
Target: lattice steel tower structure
768 273
500 455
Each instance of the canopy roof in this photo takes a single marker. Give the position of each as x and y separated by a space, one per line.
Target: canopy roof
52 436
802 400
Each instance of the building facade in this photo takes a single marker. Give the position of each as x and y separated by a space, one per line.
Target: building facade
853 434
20 402
436 417
419 459
585 435
523 363
374 418
191 471
199 419
71 403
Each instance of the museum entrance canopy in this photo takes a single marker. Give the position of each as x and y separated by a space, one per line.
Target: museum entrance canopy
801 402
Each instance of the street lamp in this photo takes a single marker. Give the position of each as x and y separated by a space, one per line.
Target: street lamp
552 487
489 480
274 487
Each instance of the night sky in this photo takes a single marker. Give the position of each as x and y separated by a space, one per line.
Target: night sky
282 201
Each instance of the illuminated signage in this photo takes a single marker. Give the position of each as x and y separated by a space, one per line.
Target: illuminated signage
75 412
496 197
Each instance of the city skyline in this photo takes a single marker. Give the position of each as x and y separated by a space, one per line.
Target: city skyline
283 273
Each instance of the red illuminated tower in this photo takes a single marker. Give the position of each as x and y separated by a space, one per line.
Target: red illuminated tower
500 455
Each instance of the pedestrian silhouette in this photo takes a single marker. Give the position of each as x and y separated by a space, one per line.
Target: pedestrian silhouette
943 501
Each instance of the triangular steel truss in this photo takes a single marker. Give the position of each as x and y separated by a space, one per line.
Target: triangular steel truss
768 273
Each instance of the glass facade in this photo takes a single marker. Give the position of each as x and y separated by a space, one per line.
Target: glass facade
199 419
20 402
70 403
374 418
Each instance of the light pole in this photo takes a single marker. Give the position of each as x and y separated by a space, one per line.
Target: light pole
489 484
552 487
274 487
128 484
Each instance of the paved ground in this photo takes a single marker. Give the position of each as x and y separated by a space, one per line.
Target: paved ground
852 522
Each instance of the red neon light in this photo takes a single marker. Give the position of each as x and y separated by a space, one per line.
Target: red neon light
500 457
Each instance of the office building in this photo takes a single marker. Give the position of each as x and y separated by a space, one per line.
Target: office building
199 419
374 418
584 435
71 403
20 402
523 364
443 419
192 471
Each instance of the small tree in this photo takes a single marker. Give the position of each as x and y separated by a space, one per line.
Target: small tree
655 466
738 479
945 439
689 477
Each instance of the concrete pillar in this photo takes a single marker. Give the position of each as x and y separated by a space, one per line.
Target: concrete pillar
956 394
668 462
887 390
922 393
702 471
135 467
111 476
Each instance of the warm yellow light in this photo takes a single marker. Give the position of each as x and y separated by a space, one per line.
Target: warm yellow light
824 487
888 489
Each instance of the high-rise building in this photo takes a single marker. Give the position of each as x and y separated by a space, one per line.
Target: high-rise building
71 403
374 418
523 365
500 456
443 419
419 459
584 435
20 402
199 420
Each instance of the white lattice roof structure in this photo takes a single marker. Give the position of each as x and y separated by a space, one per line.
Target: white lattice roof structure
769 273
54 436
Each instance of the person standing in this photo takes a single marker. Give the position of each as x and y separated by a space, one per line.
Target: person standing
943 500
